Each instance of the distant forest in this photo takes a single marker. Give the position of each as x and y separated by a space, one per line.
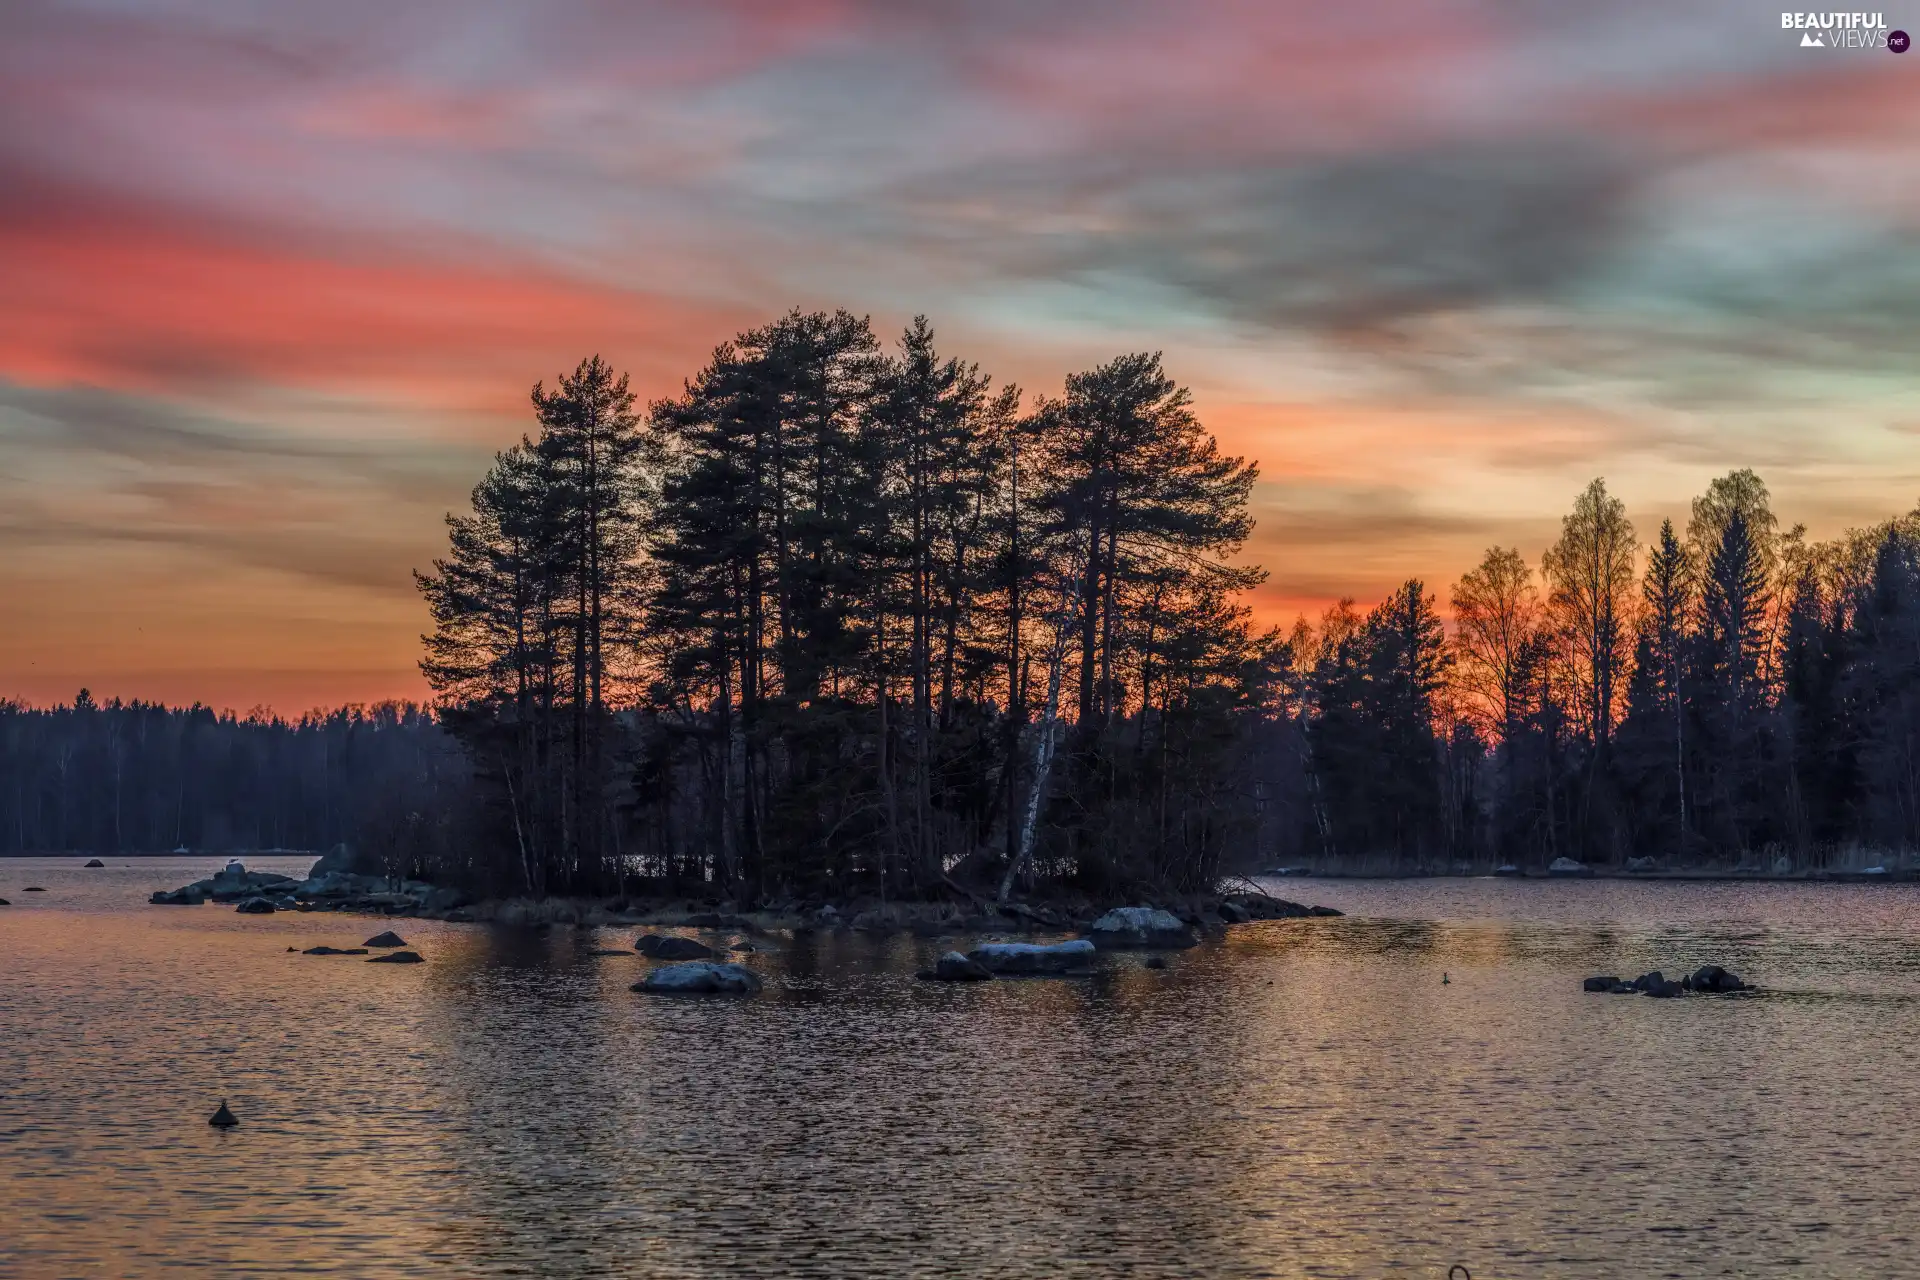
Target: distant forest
842 619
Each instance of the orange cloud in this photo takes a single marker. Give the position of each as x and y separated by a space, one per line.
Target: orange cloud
149 300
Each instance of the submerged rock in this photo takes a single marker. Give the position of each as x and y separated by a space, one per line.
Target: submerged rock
1607 983
955 967
93 863
256 907
187 897
1261 906
667 947
33 888
1033 957
1140 927
700 977
398 957
1568 868
334 951
387 939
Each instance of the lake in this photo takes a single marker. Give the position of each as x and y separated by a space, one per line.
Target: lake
1304 1097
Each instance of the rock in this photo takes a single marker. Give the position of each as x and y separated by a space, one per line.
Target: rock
1033 957
1156 962
955 967
1568 868
1604 983
700 977
743 946
93 863
33 888
5 903
398 957
255 907
223 1118
387 939
234 867
1140 927
1874 871
667 947
334 951
1508 870
1233 913
340 858
1642 865
187 897
460 917
1712 978
1324 911
1656 984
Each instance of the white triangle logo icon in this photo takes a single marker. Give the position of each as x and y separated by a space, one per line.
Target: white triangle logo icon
1812 41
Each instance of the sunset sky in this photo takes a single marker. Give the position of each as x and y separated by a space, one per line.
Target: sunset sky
275 279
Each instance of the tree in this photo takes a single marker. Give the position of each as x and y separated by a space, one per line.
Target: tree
1496 611
1590 572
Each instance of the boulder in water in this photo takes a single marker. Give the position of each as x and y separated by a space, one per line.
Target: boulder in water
387 939
1567 868
5 903
223 1118
700 977
1156 962
187 897
955 967
1033 957
1233 913
1147 928
668 947
1606 982
334 951
1658 985
1508 870
1713 979
93 864
1261 906
33 888
255 907
398 957
1641 866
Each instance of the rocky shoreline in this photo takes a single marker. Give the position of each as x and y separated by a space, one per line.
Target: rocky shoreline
1172 921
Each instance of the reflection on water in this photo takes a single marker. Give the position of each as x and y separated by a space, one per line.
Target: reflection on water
1304 1097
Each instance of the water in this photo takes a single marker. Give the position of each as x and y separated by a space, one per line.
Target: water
1305 1098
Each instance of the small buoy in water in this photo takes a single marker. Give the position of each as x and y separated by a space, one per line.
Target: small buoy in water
1445 980
223 1118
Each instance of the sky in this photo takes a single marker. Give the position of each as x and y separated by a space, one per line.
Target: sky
275 279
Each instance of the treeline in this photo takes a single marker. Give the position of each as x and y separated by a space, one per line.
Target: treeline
845 619
139 777
1736 694
841 619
